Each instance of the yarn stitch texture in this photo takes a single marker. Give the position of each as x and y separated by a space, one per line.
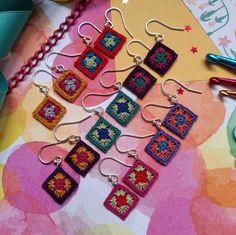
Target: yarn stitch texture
49 112
82 158
162 147
121 201
69 85
160 58
139 81
140 178
180 120
59 185
91 62
110 42
103 135
123 109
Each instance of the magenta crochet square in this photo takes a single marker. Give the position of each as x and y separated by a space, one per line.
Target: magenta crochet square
140 178
139 82
160 58
121 201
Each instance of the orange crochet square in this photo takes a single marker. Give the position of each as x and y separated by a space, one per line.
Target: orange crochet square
49 112
69 85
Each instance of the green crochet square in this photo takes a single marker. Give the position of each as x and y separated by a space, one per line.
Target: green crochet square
103 135
122 108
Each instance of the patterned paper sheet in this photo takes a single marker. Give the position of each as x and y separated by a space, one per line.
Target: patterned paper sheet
217 17
194 194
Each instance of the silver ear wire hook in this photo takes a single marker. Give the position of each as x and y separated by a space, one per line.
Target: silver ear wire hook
60 67
155 121
137 58
56 160
72 138
110 24
44 89
98 110
117 85
174 97
160 36
87 39
131 152
111 177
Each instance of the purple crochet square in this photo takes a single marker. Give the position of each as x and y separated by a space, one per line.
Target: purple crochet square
162 147
59 185
82 158
121 201
180 120
160 58
139 81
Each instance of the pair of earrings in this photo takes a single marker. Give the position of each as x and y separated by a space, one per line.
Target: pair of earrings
81 158
179 120
138 180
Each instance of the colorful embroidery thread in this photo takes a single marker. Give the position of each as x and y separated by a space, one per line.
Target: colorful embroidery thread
139 81
162 147
140 178
69 85
49 112
103 135
160 58
122 108
110 42
91 62
180 120
121 201
59 185
82 158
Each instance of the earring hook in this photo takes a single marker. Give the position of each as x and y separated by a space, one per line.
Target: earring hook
111 177
131 152
156 121
137 58
110 24
87 39
160 36
174 97
60 67
117 85
74 138
56 160
98 110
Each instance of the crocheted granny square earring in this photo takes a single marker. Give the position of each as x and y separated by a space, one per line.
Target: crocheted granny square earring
69 85
162 147
102 134
82 157
141 177
49 112
110 42
59 184
91 61
179 119
121 200
160 57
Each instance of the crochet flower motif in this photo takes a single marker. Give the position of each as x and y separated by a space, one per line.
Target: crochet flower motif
70 84
49 111
91 61
139 82
59 185
110 41
161 58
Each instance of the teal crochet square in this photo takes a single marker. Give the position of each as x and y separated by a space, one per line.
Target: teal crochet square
103 135
123 108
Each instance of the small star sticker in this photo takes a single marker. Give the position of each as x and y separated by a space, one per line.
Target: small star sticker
125 1
187 28
180 91
194 50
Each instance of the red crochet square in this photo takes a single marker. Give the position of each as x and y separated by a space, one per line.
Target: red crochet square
110 42
140 178
121 201
91 62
